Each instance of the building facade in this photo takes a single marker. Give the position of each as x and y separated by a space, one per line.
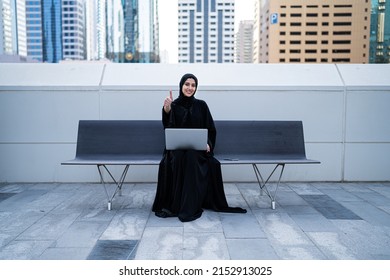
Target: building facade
380 31
206 31
313 31
73 24
115 31
34 30
96 18
141 33
13 28
55 30
244 42
5 27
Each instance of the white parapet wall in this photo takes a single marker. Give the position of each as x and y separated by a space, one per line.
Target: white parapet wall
345 111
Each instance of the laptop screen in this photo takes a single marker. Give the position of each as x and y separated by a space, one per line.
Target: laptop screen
186 139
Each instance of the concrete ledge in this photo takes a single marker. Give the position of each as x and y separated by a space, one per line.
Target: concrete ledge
344 109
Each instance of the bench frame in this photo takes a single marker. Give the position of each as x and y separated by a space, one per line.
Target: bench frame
148 139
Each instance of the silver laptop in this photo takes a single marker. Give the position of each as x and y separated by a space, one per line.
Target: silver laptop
186 138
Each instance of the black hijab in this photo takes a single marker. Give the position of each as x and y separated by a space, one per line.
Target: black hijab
183 100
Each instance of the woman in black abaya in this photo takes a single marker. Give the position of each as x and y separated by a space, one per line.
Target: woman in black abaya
188 180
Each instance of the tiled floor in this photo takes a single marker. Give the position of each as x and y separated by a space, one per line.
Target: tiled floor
311 221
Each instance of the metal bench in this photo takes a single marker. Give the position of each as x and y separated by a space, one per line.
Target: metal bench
137 142
262 142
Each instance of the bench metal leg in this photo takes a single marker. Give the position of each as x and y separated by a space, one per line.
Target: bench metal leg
263 183
118 183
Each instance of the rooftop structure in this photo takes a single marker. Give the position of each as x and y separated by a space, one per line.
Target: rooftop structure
343 107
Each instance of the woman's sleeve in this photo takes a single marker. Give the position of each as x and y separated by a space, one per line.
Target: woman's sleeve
165 118
212 132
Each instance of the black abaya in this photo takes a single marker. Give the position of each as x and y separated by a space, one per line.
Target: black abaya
188 180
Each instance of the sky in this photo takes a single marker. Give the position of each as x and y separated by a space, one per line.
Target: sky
168 23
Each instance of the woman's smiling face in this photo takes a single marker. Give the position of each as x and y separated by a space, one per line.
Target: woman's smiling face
189 87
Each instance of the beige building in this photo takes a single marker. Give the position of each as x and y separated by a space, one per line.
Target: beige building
243 51
312 31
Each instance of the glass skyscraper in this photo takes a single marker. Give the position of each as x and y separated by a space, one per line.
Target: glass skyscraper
140 31
380 31
51 30
55 30
13 27
115 30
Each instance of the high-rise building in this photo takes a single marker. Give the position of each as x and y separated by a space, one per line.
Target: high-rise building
96 17
206 31
51 30
13 27
55 30
73 30
141 31
380 31
5 27
115 31
34 30
244 42
313 31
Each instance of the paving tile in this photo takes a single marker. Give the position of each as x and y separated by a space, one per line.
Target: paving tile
281 229
161 243
205 246
251 249
316 220
365 241
24 198
139 196
342 195
332 245
50 227
113 250
304 188
208 222
313 222
369 213
284 198
81 234
241 226
24 249
72 253
4 196
300 209
127 224
330 208
374 198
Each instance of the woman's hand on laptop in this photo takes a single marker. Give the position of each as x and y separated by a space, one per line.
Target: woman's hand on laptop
167 102
208 148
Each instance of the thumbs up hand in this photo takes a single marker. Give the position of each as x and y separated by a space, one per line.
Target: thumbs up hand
167 102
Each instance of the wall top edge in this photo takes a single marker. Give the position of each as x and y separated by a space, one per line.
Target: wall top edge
114 75
174 88
55 88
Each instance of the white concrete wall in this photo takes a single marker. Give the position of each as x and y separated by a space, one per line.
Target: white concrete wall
344 109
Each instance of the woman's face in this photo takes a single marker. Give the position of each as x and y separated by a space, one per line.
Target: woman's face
189 87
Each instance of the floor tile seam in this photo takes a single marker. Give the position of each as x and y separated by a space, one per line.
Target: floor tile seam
369 203
246 238
243 197
27 228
